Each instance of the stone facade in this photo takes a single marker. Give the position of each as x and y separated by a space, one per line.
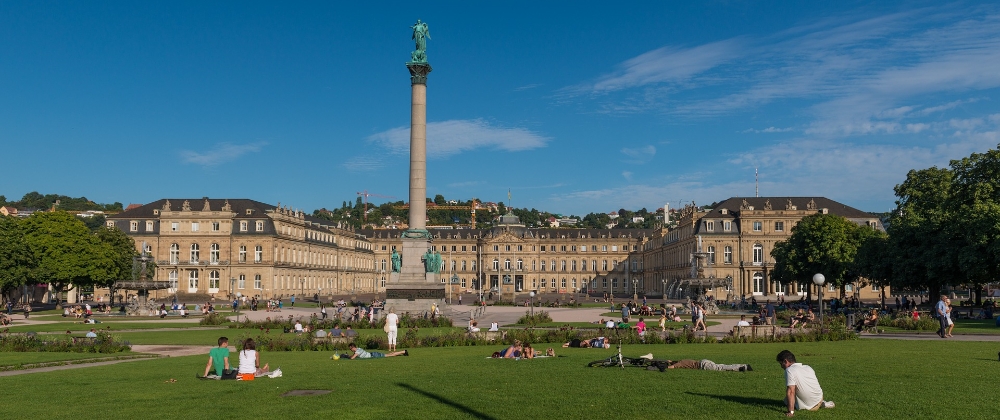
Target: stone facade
736 238
216 247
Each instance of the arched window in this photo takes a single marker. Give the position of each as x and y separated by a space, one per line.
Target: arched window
520 264
574 265
213 280
243 253
195 253
496 264
258 254
213 254
256 282
563 266
563 283
193 280
175 253
758 254
758 283
506 264
242 284
172 279
711 254
727 256
543 266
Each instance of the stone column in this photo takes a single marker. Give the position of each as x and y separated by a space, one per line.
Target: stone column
418 154
413 289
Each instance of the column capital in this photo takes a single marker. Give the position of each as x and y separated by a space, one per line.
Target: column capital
418 72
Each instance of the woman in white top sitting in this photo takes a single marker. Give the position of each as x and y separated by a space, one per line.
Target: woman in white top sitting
250 360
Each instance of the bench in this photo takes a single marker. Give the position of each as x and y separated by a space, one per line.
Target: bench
757 331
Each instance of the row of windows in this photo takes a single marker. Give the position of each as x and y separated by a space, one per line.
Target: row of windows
758 226
213 254
213 280
520 248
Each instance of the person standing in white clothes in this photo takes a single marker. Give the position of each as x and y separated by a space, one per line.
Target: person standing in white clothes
391 327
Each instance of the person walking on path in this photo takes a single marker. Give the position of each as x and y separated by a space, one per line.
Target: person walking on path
803 391
391 328
951 322
941 313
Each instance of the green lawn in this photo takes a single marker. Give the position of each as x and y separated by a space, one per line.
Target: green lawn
16 358
652 325
867 379
83 328
209 337
962 326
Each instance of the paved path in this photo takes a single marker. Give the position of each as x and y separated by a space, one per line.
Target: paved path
66 367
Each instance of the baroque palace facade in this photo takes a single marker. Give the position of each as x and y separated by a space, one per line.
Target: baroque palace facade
217 246
734 241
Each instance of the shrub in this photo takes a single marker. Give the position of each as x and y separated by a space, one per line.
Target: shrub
905 321
539 317
213 318
104 343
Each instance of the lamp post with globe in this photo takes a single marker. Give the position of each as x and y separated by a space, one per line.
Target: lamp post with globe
531 301
819 280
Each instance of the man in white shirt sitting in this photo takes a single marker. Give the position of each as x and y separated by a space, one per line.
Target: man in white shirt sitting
298 327
743 321
803 392
494 326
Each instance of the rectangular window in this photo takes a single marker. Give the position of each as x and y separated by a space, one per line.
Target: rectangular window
175 226
133 226
256 282
604 283
243 254
593 248
496 248
260 226
216 227
563 248
149 226
573 248
463 248
243 282
543 248
194 226
758 226
519 248
614 248
710 226
473 248
779 226
243 226
727 226
604 248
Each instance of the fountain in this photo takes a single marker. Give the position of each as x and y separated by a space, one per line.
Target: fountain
142 283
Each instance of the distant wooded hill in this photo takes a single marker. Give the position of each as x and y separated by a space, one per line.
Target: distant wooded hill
35 200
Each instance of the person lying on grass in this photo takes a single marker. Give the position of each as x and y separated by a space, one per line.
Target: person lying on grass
705 364
360 353
599 342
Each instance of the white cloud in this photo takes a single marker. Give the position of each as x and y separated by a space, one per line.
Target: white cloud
363 163
452 137
947 106
667 64
627 175
768 130
640 155
221 153
527 87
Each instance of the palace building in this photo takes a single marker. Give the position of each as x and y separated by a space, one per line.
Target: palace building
217 247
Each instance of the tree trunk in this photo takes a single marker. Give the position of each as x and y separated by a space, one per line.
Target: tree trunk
979 294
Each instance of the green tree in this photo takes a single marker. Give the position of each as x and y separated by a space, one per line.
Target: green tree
64 252
119 253
820 243
924 242
15 259
976 217
439 200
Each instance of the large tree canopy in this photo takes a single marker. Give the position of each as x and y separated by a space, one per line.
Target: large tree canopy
820 243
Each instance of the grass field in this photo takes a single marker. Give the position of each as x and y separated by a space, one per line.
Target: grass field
83 328
652 325
962 326
13 358
866 378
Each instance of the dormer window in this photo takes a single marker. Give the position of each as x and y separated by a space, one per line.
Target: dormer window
710 226
249 211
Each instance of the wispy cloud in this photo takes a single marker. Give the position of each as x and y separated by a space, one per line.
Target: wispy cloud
768 130
850 76
452 137
527 87
363 163
221 153
627 175
639 155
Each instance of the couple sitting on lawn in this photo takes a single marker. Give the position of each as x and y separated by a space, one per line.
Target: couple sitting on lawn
218 366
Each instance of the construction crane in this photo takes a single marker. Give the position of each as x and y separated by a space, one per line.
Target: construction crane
472 208
367 194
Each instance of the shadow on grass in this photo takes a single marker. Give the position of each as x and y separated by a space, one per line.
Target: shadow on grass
464 408
777 405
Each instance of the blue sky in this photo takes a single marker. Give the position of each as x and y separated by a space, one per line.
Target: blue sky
574 106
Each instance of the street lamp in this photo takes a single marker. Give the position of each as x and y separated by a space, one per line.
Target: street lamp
635 290
531 301
819 280
302 290
663 288
231 281
454 281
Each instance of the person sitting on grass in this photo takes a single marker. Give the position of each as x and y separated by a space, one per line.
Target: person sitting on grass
803 391
512 352
362 354
218 360
250 362
92 333
335 331
705 364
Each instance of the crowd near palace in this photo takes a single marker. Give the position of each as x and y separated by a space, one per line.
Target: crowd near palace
223 247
